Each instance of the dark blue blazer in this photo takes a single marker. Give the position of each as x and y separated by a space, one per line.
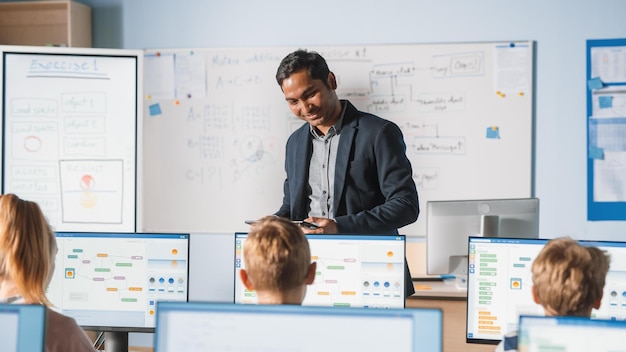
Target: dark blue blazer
374 188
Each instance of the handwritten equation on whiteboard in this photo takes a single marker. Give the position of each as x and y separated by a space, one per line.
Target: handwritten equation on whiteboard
226 141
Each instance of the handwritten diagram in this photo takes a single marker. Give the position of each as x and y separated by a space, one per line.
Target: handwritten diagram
465 111
90 191
71 137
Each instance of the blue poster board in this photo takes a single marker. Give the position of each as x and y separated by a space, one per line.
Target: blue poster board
606 127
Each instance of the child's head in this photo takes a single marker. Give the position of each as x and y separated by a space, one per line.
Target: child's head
278 261
569 278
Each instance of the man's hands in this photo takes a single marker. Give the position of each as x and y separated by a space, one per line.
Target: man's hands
325 225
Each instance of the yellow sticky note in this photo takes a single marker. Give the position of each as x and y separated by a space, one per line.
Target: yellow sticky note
422 287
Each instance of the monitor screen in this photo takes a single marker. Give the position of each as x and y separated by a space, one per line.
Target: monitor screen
450 223
365 271
221 326
500 281
23 327
570 334
112 281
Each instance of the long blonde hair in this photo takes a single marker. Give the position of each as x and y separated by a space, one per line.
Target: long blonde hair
27 247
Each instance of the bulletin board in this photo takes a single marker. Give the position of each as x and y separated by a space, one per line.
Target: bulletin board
70 131
216 123
606 126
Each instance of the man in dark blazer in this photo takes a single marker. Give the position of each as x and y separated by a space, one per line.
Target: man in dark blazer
347 170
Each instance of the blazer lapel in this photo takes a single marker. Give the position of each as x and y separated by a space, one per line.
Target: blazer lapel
301 172
348 131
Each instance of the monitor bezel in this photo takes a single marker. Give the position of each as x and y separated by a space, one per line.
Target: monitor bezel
127 329
331 236
25 326
438 242
467 310
569 320
595 243
413 313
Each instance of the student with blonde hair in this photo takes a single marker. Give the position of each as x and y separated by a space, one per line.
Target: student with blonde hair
27 252
568 280
277 261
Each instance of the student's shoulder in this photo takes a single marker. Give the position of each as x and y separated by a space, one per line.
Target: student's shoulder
64 334
53 316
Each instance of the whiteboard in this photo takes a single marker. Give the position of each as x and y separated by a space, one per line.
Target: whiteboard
70 134
216 124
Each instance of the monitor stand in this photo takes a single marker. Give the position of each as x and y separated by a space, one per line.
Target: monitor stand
116 341
458 268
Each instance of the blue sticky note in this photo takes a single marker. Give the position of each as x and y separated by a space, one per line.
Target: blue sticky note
155 109
595 83
606 102
596 153
493 132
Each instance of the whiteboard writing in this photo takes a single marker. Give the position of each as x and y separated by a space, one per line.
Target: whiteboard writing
216 160
92 191
84 125
458 65
34 107
65 66
433 102
84 102
70 136
448 145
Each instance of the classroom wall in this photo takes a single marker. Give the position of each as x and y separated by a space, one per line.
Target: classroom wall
560 29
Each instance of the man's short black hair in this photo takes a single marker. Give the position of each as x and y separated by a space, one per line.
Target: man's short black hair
299 60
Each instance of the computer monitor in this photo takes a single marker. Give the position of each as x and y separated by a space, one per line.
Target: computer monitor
205 326
112 281
570 334
23 327
500 281
365 271
450 223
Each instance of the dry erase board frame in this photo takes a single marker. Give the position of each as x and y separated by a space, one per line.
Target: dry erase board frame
606 127
216 123
70 131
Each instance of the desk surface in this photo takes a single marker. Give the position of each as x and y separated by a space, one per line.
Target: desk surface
453 302
438 289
